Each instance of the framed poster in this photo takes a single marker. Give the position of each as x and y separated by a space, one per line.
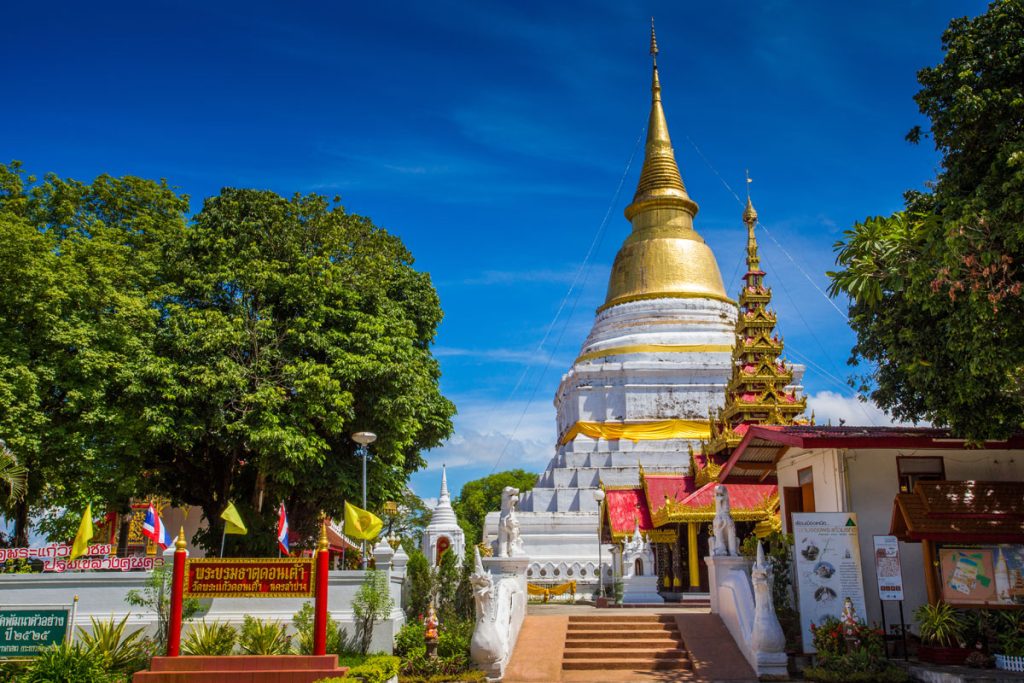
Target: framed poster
828 567
982 575
888 570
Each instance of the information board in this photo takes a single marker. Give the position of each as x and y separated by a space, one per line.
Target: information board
290 577
25 630
888 571
982 575
827 567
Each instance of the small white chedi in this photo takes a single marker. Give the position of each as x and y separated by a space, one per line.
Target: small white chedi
639 579
443 533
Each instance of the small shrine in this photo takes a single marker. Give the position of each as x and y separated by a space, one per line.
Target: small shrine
443 533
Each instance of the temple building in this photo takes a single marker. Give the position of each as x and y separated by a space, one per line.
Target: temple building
675 509
657 363
443 533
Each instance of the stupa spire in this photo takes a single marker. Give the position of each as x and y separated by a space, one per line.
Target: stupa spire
663 256
761 388
750 218
444 484
660 181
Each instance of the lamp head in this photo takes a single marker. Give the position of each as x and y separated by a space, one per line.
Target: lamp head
599 495
364 438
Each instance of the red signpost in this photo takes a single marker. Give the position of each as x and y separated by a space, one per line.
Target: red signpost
320 606
177 595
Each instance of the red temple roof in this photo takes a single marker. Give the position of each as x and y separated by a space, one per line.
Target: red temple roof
624 507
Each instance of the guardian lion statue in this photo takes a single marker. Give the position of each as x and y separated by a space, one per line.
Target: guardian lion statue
723 525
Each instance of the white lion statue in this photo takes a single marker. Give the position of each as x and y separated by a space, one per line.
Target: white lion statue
723 524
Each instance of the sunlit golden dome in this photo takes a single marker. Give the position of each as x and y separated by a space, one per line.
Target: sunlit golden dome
663 256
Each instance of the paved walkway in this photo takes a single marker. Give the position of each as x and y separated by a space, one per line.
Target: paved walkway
538 654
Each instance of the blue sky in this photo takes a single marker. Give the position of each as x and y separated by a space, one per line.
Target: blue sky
493 140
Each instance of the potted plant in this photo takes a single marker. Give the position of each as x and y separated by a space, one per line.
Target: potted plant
942 634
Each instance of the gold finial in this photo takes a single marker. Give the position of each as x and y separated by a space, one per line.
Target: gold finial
180 544
749 213
654 45
663 256
322 543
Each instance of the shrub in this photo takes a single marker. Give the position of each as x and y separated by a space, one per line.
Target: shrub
865 662
454 638
372 603
121 653
410 640
156 596
212 640
260 637
68 664
377 669
420 581
303 623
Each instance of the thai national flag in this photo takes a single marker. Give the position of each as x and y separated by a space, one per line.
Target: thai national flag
153 528
282 529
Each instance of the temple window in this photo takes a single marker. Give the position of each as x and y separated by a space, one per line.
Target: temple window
913 469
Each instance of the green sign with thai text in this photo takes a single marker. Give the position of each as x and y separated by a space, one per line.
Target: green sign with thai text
23 631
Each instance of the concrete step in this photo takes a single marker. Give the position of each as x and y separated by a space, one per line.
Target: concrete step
617 664
621 635
614 618
664 643
632 653
619 626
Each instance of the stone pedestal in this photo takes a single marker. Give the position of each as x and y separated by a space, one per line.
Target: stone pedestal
718 568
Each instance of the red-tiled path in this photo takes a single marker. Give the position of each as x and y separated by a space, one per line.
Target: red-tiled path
663 645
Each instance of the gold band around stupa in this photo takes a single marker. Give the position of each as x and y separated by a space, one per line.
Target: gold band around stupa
656 348
639 431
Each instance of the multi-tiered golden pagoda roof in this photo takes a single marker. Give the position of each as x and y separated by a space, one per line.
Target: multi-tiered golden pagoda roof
759 391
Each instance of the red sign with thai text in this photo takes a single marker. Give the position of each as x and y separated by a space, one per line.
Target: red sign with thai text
249 578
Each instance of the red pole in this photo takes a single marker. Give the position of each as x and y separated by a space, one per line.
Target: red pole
177 594
320 607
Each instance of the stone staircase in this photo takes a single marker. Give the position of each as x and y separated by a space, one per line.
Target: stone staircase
635 642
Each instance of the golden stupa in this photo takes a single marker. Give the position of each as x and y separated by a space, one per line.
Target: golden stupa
663 256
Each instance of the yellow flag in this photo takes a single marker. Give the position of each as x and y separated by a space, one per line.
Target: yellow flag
233 523
361 524
84 535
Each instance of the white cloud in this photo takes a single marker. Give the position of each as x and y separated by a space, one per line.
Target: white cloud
829 405
500 435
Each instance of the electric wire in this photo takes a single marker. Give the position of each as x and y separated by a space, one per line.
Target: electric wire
582 271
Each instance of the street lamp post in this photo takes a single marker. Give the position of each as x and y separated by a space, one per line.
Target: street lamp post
364 439
599 497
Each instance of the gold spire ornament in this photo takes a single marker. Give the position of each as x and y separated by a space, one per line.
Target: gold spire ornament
663 256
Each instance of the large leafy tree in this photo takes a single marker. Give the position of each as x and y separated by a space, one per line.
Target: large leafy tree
480 496
936 288
79 276
226 358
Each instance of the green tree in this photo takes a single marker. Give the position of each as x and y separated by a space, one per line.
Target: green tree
224 358
79 282
13 477
480 496
293 325
419 576
936 288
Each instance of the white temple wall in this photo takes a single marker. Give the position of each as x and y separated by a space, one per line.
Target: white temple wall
102 595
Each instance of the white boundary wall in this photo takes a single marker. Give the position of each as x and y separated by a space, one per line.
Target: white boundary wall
102 595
